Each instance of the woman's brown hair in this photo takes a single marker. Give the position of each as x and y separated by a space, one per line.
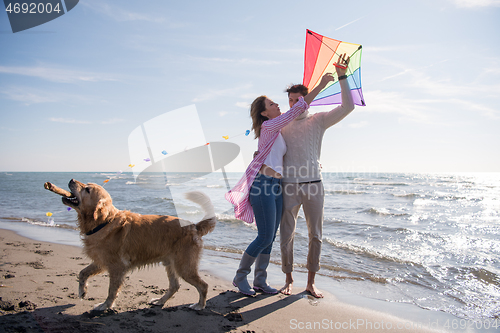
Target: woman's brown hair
258 106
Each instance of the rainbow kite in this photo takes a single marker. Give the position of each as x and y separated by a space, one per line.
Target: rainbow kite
320 56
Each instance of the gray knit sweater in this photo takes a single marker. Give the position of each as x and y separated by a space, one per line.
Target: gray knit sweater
304 136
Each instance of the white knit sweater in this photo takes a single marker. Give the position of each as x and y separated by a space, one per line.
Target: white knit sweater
304 136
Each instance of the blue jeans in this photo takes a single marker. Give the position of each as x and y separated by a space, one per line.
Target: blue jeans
266 198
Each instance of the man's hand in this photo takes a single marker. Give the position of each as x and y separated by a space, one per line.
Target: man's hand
341 64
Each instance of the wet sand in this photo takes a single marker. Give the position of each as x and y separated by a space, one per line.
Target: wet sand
39 293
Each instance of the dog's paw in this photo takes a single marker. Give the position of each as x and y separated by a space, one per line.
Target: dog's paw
82 290
157 302
196 307
101 307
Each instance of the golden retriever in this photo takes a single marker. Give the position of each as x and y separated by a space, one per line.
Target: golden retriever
117 241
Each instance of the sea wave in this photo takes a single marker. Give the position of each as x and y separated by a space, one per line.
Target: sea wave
39 223
345 192
53 225
227 218
405 195
382 212
362 181
360 250
223 249
340 273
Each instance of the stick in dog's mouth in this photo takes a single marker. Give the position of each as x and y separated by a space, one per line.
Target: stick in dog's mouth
51 187
69 198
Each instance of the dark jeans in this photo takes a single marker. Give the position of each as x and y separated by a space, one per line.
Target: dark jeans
266 198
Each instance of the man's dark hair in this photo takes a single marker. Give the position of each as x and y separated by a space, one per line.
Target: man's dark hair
297 88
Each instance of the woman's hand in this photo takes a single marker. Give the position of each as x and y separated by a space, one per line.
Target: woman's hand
328 77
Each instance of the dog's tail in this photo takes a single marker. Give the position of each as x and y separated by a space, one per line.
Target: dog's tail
207 223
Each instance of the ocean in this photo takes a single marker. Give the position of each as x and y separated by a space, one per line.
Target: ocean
432 240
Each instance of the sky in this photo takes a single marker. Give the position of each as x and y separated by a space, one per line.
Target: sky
74 89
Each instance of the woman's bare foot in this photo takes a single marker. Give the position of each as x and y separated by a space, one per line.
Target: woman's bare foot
287 288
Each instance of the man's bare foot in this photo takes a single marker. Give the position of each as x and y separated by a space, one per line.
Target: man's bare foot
311 289
287 288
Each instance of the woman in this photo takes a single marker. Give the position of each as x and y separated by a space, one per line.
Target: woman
258 193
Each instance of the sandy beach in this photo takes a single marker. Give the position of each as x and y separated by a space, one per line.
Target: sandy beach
39 294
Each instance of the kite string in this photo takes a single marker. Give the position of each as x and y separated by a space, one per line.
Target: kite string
227 137
164 152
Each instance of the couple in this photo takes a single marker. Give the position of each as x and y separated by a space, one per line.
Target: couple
275 185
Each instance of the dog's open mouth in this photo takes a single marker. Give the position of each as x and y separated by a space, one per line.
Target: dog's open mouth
71 201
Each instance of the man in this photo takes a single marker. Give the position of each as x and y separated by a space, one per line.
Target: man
302 178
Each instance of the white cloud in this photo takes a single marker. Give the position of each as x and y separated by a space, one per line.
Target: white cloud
445 88
466 94
359 124
423 110
238 61
474 106
243 105
30 97
69 121
476 3
406 109
249 96
417 72
55 74
212 94
85 122
345 25
119 14
391 49
112 121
